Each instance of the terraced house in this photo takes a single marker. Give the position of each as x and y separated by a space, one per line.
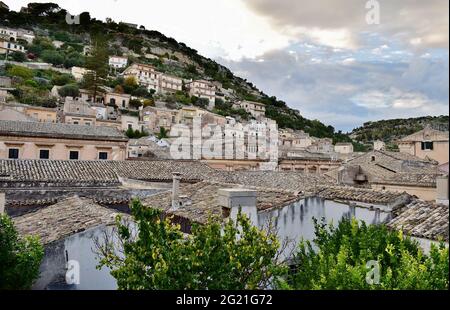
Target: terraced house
34 140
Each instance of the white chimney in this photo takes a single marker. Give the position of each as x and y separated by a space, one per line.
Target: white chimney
176 190
2 202
442 190
235 198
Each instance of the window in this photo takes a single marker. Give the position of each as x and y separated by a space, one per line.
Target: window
373 158
13 154
427 145
44 154
123 104
103 155
73 155
75 123
130 126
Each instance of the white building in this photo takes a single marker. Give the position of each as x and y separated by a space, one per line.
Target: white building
343 148
145 75
118 62
9 47
8 33
78 72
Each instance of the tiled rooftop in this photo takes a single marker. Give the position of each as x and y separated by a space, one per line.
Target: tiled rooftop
286 180
347 193
65 218
101 171
52 130
396 167
203 200
424 220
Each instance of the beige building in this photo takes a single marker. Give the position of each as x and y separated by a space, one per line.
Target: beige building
42 114
394 171
157 118
33 140
78 113
203 89
288 138
145 75
170 83
128 122
343 148
256 109
121 100
427 143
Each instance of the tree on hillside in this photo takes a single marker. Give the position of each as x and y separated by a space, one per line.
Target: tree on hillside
349 255
235 255
20 258
97 64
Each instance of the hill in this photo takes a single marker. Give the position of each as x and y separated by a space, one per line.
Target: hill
393 129
48 21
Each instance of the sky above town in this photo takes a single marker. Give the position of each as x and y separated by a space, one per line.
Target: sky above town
322 57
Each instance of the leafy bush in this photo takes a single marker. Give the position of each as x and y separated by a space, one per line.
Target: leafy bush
69 90
21 72
339 257
234 256
20 258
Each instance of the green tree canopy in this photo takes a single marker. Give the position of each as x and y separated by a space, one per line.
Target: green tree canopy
234 256
20 258
340 256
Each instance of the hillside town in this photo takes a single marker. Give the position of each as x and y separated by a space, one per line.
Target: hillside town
80 141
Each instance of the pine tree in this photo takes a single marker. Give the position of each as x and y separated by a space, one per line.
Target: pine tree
97 64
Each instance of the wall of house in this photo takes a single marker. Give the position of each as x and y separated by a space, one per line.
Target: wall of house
425 193
30 147
79 248
42 115
296 220
439 152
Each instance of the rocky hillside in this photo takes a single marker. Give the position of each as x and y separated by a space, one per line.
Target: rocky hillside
48 21
393 129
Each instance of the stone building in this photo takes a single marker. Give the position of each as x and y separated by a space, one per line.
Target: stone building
343 148
203 89
427 143
33 140
256 109
383 170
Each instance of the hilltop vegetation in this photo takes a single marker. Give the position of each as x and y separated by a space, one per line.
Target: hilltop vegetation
393 129
48 21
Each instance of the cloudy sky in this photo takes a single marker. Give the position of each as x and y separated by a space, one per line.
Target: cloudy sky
322 57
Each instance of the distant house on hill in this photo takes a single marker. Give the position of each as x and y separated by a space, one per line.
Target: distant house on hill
427 143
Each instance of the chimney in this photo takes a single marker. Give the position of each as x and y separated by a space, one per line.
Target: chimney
176 190
442 190
231 199
2 202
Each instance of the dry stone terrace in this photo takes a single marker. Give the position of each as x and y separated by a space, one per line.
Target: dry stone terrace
424 220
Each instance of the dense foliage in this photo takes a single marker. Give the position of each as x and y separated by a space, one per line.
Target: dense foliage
393 129
234 256
20 258
339 257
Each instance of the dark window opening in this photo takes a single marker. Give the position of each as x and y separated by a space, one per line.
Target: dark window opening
73 155
427 145
13 154
44 154
103 155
